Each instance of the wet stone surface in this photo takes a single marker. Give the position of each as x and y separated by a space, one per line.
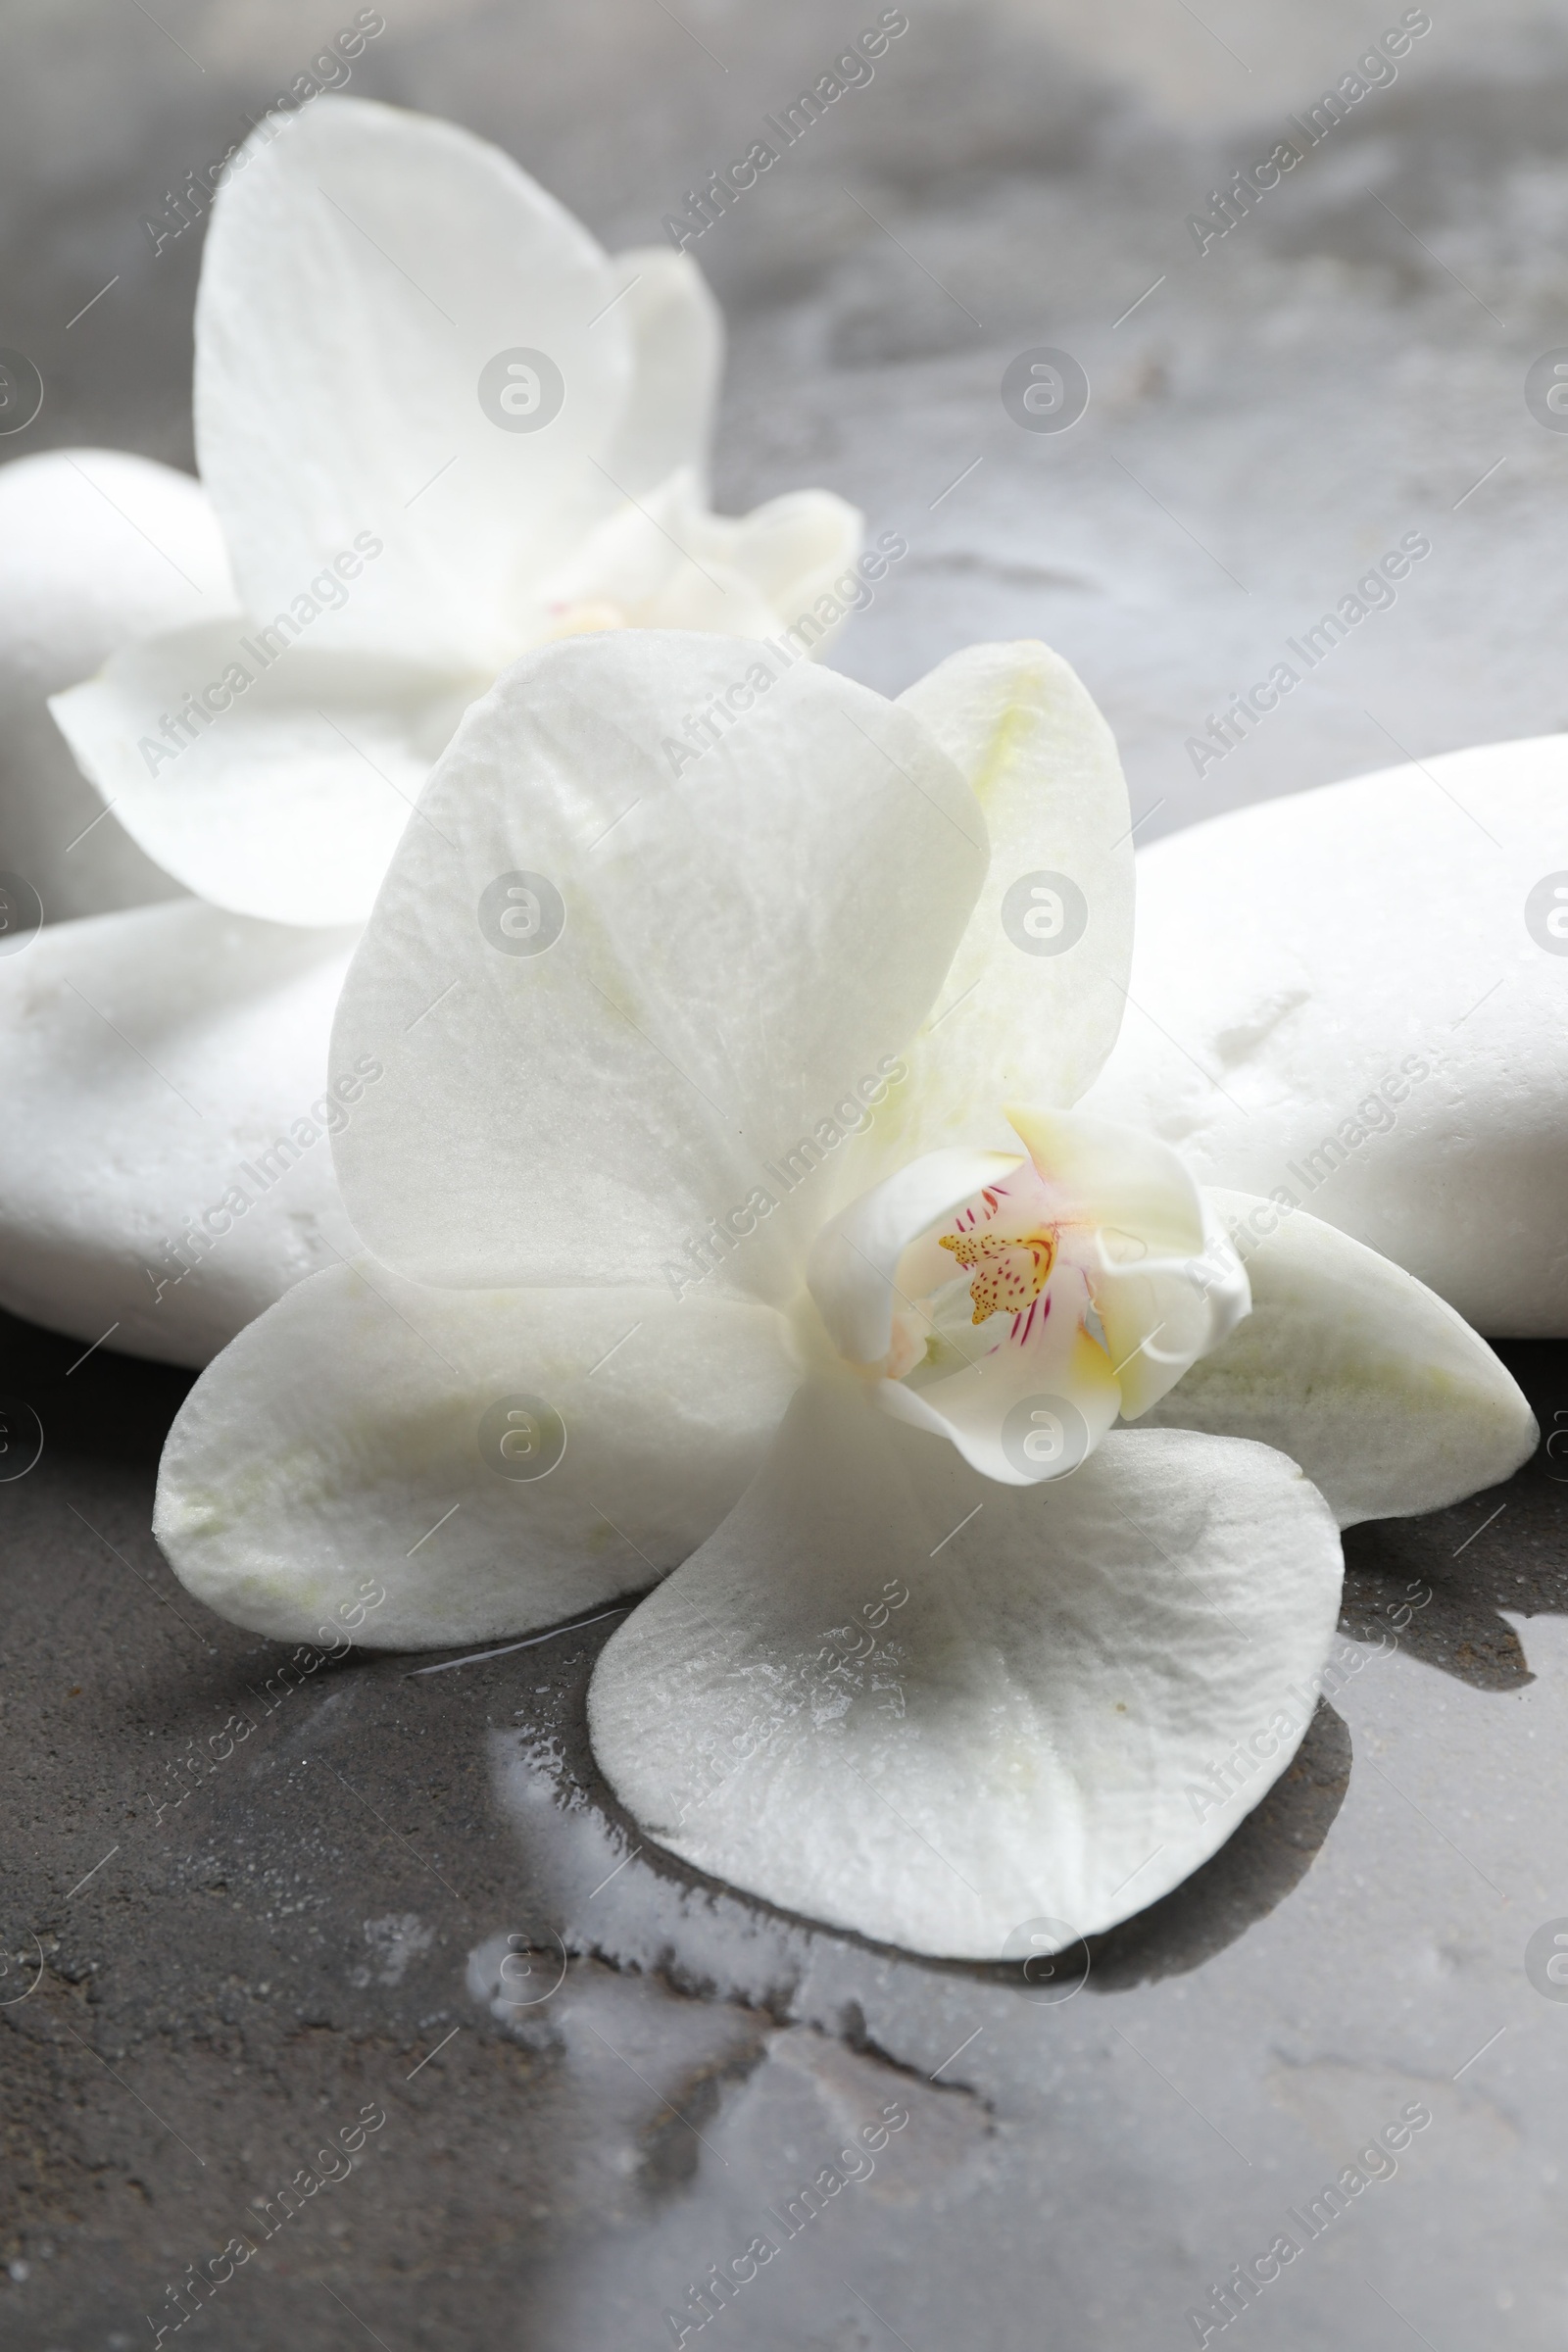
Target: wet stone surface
271 1908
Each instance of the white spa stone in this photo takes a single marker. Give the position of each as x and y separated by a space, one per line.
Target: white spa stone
1357 996
154 1064
96 550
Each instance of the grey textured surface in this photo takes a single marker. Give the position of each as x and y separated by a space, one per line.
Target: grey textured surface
237 1976
1340 369
600 2073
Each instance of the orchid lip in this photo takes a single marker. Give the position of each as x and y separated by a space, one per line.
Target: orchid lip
1057 1294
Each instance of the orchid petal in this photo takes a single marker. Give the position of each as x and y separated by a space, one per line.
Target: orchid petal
795 551
706 965
96 548
1160 1315
363 268
1033 1002
706 594
1382 1393
662 561
677 356
165 1170
945 1738
1101 1173
286 800
491 1461
1165 1282
641 568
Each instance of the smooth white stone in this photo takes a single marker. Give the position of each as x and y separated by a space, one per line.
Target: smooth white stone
1300 962
148 1060
96 548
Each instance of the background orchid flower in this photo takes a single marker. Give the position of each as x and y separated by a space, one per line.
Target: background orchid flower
702 1235
438 423
386 520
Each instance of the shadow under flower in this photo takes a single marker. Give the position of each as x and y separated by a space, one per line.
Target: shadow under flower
1440 1583
701 1922
1262 1861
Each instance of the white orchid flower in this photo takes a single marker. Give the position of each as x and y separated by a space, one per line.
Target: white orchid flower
436 423
942 1649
